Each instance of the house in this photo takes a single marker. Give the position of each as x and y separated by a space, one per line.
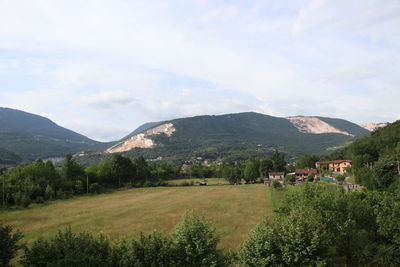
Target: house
302 174
333 165
276 175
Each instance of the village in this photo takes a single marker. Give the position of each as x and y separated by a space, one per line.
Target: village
334 171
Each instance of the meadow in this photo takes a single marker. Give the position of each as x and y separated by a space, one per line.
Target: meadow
234 210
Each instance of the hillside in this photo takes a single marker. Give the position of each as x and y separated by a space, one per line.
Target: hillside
8 158
237 136
376 158
31 136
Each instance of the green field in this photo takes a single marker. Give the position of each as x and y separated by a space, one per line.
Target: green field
233 210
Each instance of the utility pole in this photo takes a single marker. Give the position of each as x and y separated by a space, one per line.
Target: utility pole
398 166
87 184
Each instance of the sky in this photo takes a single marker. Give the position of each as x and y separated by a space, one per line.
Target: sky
102 68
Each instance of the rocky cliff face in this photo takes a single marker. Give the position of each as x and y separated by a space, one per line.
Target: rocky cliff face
314 126
373 126
142 140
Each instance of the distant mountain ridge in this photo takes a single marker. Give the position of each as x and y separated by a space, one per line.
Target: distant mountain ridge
244 134
230 136
31 136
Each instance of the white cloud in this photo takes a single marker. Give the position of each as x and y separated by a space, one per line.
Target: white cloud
107 60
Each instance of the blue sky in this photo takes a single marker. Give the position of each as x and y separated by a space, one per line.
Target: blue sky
102 67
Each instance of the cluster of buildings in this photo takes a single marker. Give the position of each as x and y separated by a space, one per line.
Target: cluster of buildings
334 167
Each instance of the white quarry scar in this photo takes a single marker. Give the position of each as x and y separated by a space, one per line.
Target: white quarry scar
314 125
141 140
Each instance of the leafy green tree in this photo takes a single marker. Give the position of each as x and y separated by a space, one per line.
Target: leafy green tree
153 250
250 171
266 166
122 169
290 178
72 170
196 242
9 244
278 161
68 249
307 161
142 169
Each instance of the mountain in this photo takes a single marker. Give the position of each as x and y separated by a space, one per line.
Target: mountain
8 158
31 136
238 136
142 128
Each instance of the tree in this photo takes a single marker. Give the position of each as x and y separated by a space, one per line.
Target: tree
142 169
250 171
290 178
68 249
72 170
307 161
196 242
9 244
122 169
278 161
266 166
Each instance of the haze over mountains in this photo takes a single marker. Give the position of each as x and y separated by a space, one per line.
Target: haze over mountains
25 136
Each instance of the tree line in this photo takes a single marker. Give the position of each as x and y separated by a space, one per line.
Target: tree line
42 181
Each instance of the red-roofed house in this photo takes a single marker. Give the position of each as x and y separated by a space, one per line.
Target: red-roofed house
302 174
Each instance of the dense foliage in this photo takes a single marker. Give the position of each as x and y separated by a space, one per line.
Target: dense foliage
9 244
376 159
324 226
193 243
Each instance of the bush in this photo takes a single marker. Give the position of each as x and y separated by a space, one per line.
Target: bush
95 188
68 249
152 250
276 184
148 184
196 242
8 244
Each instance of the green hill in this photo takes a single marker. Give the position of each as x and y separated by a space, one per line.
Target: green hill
243 135
8 158
31 136
376 158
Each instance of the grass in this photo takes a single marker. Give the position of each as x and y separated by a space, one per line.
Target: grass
233 210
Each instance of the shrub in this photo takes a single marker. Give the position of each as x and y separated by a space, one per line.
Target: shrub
8 244
276 184
152 250
196 242
68 249
95 188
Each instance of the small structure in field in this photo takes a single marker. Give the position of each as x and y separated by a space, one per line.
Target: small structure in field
302 174
203 183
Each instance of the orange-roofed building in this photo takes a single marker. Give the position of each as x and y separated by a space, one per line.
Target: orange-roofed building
334 165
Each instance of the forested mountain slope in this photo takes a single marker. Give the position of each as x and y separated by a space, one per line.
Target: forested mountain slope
31 136
235 136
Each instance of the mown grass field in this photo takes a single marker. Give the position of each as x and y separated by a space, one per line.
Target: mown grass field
233 210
